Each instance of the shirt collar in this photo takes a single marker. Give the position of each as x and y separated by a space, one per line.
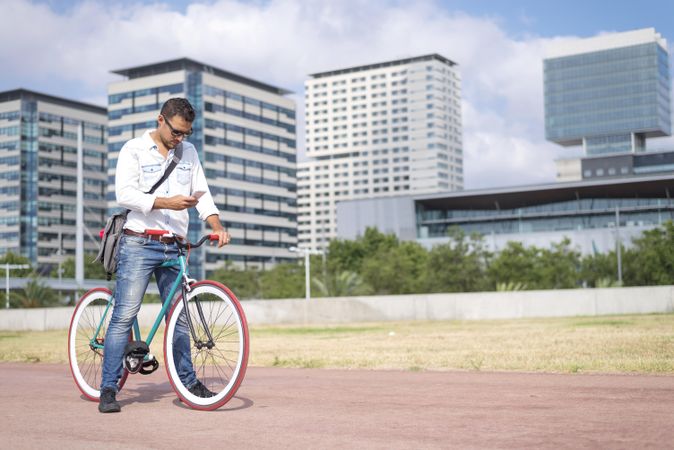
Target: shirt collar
150 144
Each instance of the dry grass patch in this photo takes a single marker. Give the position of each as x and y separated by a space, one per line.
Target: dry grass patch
640 344
616 344
34 346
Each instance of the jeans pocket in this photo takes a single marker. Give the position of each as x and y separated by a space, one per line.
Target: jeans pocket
136 241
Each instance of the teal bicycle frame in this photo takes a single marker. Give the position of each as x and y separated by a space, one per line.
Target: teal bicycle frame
182 274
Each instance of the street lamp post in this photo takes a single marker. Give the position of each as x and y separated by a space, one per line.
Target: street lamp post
618 245
59 253
307 267
8 267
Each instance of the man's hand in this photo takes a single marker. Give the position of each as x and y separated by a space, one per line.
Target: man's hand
223 237
176 203
216 226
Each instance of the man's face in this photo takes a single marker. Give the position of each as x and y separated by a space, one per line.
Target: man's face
172 131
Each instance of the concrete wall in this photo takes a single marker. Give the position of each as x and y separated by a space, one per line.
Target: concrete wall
464 306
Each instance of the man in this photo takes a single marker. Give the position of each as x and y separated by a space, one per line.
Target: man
142 162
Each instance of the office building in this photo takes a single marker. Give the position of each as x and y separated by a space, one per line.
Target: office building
378 130
38 175
608 94
244 133
585 212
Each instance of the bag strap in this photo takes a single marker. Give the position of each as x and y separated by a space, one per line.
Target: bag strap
177 156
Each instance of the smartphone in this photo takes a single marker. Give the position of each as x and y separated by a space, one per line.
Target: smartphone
198 194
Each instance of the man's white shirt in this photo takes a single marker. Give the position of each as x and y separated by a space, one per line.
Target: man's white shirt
140 166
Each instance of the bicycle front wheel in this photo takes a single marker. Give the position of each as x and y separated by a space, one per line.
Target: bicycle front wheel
219 364
86 337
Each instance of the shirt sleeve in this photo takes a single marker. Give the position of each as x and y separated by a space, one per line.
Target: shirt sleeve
206 206
127 183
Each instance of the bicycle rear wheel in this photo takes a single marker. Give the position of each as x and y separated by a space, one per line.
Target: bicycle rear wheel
222 367
86 337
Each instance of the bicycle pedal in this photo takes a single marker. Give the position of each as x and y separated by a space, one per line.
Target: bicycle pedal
134 352
149 366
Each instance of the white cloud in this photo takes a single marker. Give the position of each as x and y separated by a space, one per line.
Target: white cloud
281 42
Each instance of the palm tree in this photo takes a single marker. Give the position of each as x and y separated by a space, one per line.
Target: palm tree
34 295
343 284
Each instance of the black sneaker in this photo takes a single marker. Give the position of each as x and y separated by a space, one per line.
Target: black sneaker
200 390
108 403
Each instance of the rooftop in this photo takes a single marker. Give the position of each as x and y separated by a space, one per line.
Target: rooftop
605 42
25 94
190 64
521 196
397 62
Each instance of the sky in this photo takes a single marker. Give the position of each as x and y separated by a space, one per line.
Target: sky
68 49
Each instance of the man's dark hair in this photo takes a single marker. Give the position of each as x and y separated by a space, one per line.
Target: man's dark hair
178 107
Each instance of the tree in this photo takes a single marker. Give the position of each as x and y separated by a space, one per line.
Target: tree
399 269
537 268
13 258
515 264
598 269
244 283
92 270
34 295
344 255
285 280
349 255
343 284
559 267
459 265
651 259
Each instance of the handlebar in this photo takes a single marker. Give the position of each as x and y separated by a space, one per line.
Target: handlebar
208 237
184 243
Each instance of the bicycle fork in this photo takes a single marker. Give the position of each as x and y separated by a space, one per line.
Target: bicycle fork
188 316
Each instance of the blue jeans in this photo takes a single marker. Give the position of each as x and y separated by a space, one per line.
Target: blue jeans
138 259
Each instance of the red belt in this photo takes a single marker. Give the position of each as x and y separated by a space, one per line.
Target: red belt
154 237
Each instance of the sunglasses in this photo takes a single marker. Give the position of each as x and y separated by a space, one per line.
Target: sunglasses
175 133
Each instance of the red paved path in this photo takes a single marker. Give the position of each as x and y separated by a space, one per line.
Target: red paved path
312 408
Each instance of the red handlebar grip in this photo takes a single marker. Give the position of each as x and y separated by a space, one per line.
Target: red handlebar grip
213 237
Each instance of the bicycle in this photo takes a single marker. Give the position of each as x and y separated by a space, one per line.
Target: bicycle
219 339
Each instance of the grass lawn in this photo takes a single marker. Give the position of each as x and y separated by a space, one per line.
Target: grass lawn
608 344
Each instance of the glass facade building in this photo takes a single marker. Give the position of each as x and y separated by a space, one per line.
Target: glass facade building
609 93
581 214
245 135
586 212
38 175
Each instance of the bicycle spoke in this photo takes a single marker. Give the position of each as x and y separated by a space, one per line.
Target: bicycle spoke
222 366
86 362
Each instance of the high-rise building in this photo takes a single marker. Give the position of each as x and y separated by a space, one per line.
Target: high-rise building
378 130
607 94
244 133
38 175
